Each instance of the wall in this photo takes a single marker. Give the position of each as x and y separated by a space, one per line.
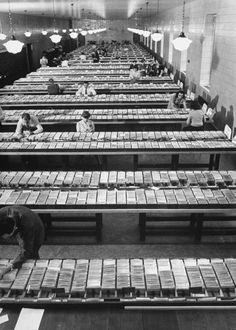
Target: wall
15 66
116 30
223 77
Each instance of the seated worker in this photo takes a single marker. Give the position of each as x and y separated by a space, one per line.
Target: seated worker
27 125
134 75
142 68
95 56
133 65
85 125
86 89
153 68
26 226
82 57
177 101
161 70
43 61
2 116
196 118
53 89
64 62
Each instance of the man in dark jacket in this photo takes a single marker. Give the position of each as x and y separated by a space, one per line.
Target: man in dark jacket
26 226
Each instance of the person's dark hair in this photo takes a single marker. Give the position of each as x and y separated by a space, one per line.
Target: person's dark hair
194 105
86 114
179 92
6 224
51 80
25 116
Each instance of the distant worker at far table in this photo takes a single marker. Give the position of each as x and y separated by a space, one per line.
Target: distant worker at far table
54 89
85 125
27 125
26 226
86 89
134 75
177 101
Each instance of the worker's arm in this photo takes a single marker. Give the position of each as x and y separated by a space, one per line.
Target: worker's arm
26 244
39 129
19 130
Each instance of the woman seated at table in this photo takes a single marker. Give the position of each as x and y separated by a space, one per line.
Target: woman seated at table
196 118
86 89
85 125
27 125
177 101
134 75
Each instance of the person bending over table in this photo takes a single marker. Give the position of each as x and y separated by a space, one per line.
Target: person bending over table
26 226
54 89
177 101
2 116
85 125
196 118
27 125
86 89
134 75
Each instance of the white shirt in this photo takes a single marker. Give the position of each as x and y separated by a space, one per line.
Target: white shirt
43 62
64 63
196 118
85 126
32 123
82 91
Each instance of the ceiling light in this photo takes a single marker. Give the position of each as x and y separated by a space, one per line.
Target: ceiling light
157 36
56 38
64 30
27 34
13 46
84 33
73 35
182 42
44 32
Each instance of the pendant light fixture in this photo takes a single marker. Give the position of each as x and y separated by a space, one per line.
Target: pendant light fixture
157 36
182 42
27 33
2 35
55 37
146 33
72 34
12 46
44 32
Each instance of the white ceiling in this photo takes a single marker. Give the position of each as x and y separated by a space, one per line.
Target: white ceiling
108 9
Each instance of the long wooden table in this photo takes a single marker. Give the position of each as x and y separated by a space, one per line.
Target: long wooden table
212 143
192 196
100 89
136 281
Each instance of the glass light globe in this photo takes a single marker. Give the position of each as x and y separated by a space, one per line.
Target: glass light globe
84 33
146 34
182 42
157 36
73 35
13 46
56 38
27 34
64 30
44 32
